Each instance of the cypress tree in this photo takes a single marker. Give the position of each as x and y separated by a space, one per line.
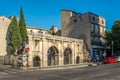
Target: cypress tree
14 36
22 26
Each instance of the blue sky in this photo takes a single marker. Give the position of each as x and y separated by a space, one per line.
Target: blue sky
45 13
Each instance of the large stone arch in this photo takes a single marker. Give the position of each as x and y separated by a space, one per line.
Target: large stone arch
36 61
67 56
52 56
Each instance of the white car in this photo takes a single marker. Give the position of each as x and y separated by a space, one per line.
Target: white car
118 58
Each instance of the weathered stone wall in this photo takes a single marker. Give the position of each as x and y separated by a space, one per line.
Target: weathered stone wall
88 26
45 41
76 25
4 24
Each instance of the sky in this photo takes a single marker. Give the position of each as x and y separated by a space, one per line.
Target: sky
45 13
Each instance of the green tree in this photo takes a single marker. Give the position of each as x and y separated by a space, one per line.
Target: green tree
15 36
108 38
114 36
22 26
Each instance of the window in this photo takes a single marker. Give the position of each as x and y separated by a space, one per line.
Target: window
93 18
40 32
97 39
92 28
78 47
31 31
103 30
96 28
102 21
75 20
71 14
36 45
92 38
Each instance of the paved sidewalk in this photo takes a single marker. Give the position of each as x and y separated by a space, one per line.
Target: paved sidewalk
50 67
4 66
59 67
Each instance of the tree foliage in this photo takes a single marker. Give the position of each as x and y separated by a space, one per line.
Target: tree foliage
15 36
22 26
18 34
108 38
114 36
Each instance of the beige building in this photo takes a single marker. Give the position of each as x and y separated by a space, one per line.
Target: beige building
88 26
50 50
4 24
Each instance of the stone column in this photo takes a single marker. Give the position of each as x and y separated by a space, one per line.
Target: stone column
82 53
30 45
61 54
44 52
73 53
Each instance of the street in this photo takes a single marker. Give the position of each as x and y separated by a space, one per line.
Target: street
100 72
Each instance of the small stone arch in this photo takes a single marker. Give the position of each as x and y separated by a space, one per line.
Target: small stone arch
77 59
67 56
36 61
52 56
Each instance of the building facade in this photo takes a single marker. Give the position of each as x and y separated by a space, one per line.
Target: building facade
4 26
46 49
50 50
88 26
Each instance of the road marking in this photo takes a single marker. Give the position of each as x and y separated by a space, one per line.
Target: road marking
4 73
10 71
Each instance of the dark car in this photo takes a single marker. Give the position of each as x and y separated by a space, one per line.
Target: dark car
110 60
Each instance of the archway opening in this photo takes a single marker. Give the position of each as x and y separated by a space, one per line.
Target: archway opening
67 56
36 61
77 60
53 56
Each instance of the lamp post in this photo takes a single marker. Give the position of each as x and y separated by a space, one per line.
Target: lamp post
15 58
27 54
112 47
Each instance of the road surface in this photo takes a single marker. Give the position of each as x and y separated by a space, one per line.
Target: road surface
100 72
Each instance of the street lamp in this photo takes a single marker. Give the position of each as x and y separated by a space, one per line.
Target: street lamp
112 47
27 55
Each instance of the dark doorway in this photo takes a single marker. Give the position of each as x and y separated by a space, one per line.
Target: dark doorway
67 56
77 60
36 61
53 56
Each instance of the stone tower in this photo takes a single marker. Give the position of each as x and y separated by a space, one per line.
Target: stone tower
88 26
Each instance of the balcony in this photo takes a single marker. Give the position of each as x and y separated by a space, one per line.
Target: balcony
95 34
102 35
96 42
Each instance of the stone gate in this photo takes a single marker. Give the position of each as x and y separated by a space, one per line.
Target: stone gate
50 50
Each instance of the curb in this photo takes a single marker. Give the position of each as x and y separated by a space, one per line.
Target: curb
58 68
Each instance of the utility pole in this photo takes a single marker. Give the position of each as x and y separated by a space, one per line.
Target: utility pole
112 47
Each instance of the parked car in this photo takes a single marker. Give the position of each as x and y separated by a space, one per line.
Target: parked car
110 60
117 58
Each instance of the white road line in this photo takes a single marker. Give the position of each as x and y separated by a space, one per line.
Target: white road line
9 71
4 73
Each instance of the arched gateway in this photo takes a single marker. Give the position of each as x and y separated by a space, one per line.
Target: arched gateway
36 61
67 56
77 60
53 50
52 56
